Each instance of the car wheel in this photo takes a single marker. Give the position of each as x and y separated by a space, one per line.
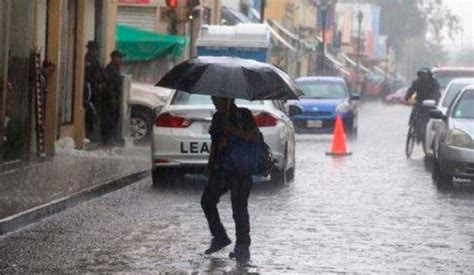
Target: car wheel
290 174
441 178
141 124
279 176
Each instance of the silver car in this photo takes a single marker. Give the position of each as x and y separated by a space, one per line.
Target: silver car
451 92
454 142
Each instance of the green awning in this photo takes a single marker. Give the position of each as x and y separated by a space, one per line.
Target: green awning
140 45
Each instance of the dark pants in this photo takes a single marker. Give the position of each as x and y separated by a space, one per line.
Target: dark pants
239 186
110 121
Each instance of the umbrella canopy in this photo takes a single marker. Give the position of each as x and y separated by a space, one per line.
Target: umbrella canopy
232 78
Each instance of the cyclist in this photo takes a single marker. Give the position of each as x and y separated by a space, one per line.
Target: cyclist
425 87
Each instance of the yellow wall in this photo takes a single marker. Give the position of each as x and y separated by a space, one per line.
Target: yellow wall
275 10
304 12
84 33
54 33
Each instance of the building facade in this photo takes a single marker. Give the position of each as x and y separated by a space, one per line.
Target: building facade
58 30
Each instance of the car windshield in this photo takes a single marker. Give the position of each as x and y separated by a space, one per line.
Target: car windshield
321 89
453 91
464 108
183 98
444 78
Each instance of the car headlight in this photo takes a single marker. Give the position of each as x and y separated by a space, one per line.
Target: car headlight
459 138
343 108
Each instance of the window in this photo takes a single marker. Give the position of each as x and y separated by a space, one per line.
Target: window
67 62
464 109
453 92
183 98
320 89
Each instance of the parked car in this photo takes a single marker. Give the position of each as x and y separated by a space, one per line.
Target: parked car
454 142
444 75
450 93
397 97
144 98
181 140
324 98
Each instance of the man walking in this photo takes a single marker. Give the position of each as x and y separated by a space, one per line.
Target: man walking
111 100
229 120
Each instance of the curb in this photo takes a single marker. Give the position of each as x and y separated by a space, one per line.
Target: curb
38 213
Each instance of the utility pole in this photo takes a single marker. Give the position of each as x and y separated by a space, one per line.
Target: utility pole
262 11
360 17
323 52
323 7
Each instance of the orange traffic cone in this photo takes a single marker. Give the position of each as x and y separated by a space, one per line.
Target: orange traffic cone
339 147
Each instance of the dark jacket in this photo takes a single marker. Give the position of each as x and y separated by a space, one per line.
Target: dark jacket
240 118
424 90
113 87
92 78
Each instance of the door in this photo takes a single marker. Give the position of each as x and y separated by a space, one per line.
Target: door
16 96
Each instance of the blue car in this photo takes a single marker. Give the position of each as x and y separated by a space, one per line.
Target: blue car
324 98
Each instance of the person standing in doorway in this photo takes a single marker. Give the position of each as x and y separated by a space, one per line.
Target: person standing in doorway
228 121
92 84
111 100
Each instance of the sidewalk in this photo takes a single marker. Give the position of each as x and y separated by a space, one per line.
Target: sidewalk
69 174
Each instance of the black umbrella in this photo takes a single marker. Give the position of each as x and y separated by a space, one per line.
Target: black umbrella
232 78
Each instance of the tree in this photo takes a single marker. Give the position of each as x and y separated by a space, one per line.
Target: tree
417 29
464 58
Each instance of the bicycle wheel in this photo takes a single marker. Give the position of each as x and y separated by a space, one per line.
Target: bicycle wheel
411 141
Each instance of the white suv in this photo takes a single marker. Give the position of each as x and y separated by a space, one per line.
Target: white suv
181 140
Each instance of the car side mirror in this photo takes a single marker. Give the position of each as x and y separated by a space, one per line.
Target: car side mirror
437 114
294 110
355 97
429 103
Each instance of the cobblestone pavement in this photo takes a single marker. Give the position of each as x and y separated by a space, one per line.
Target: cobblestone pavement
375 211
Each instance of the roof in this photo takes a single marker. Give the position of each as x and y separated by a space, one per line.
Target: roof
321 78
280 39
234 16
354 64
240 35
469 87
452 69
140 45
462 80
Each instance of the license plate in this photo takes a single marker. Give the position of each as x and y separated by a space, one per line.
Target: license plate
314 124
195 147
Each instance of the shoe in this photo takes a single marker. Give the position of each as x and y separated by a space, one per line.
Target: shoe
241 254
216 245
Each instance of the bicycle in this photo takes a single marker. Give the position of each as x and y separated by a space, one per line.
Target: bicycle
417 129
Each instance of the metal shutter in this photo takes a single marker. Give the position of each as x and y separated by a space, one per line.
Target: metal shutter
144 18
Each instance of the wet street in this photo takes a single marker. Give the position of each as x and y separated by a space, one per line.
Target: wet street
375 211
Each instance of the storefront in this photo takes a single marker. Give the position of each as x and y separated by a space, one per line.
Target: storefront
58 30
16 37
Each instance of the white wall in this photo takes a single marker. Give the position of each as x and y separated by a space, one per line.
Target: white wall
89 30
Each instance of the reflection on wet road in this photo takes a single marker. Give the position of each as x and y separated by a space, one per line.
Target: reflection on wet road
372 212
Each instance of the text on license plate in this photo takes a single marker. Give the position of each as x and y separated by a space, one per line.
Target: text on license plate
314 124
195 147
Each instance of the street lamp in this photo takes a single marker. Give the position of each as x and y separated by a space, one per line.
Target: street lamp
323 7
360 17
